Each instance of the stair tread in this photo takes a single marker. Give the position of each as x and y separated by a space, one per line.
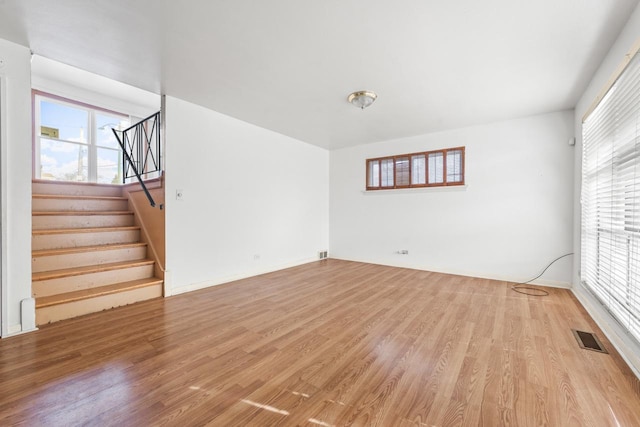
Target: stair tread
84 230
77 271
78 197
83 249
95 292
71 213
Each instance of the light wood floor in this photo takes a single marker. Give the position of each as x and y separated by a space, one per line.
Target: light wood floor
328 343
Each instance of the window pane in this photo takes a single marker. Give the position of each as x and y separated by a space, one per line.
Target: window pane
374 174
436 168
109 166
610 262
402 171
418 169
70 122
104 134
387 172
454 166
63 161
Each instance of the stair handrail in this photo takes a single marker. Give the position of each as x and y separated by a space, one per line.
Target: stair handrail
141 150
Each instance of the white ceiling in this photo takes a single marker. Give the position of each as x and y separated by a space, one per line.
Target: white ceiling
288 65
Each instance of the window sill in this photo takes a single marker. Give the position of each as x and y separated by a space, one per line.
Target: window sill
443 188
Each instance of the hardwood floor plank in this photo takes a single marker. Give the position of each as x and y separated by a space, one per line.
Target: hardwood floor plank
332 343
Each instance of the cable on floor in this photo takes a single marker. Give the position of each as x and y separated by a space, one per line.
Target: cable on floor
533 291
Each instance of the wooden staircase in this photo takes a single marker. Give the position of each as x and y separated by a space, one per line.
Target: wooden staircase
87 253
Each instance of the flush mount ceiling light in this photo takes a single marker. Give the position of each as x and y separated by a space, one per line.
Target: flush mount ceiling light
362 99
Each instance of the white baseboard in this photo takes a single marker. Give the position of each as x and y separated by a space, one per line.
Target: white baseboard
14 330
208 283
538 282
550 284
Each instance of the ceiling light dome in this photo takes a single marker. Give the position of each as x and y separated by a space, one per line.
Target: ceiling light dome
362 98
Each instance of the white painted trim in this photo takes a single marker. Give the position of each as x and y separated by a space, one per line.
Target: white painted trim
539 282
14 330
209 283
17 330
167 284
613 79
28 314
627 347
551 284
4 329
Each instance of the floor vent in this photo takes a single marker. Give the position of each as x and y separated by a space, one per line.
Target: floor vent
589 341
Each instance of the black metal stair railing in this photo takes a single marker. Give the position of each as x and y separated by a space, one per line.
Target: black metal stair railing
140 145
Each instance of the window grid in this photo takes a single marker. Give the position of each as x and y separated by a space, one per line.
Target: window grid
80 128
610 237
436 168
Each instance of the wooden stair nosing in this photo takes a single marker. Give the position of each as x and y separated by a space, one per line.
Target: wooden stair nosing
78 271
80 213
84 249
78 197
95 292
46 231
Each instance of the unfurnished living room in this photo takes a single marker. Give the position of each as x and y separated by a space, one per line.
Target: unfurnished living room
328 213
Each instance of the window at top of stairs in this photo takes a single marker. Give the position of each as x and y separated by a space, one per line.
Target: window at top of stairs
74 142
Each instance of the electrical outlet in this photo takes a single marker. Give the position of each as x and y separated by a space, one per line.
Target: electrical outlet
256 257
323 254
402 252
179 195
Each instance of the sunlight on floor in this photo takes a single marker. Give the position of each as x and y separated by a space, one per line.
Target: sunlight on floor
300 394
320 423
267 407
614 416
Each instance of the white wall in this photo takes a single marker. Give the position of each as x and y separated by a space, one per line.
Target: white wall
513 217
247 191
70 82
15 169
629 349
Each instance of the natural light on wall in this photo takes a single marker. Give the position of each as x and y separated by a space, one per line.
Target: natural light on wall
611 200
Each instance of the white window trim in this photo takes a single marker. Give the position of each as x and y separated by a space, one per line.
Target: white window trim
618 334
91 143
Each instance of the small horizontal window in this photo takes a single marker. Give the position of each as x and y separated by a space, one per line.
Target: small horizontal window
427 169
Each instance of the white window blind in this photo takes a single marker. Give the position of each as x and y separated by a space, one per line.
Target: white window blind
611 200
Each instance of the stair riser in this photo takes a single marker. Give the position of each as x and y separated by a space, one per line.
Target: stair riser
73 240
61 261
54 205
78 308
76 189
46 222
43 288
